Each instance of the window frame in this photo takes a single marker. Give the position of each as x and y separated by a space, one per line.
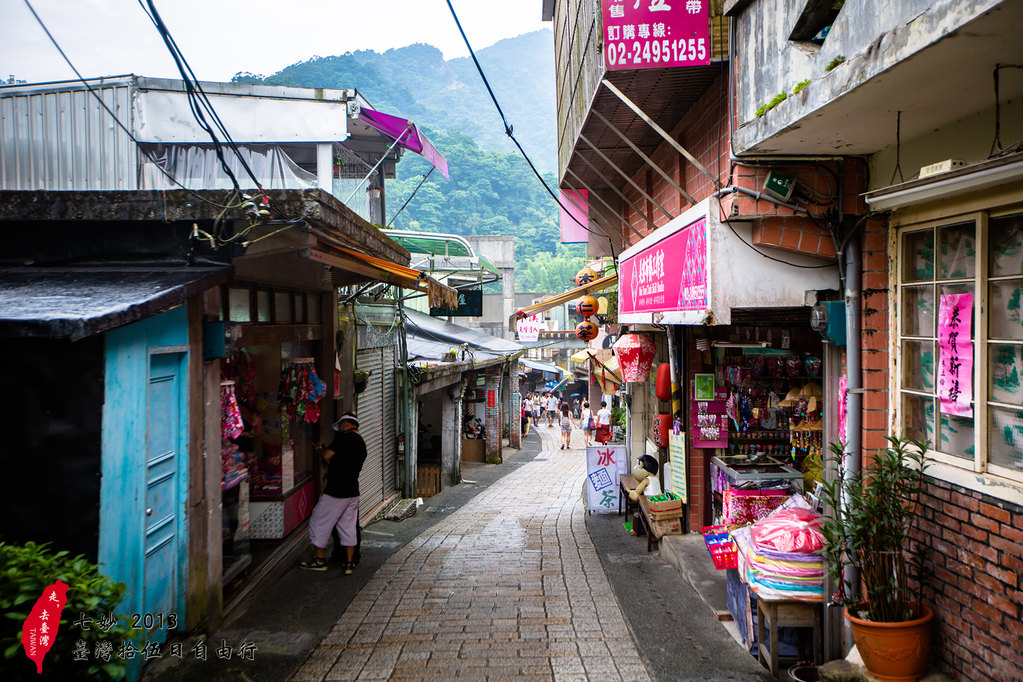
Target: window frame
978 472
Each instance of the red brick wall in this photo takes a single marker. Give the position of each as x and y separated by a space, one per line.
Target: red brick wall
874 336
976 592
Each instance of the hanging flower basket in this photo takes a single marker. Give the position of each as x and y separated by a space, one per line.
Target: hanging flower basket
635 356
361 378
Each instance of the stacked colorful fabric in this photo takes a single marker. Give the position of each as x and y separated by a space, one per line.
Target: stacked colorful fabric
780 555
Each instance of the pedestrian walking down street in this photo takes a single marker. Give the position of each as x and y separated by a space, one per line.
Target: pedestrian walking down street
527 408
576 410
567 425
338 507
552 409
603 434
536 409
586 421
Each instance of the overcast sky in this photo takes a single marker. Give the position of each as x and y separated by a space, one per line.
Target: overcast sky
222 37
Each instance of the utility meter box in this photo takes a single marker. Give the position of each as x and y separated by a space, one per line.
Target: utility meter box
828 319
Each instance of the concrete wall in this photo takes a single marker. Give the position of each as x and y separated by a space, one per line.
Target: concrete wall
767 62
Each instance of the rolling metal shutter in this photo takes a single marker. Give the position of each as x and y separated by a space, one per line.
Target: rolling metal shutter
390 406
370 408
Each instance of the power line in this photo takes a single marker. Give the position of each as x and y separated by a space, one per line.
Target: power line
509 131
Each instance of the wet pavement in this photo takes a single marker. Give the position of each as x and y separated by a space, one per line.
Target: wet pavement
510 585
503 576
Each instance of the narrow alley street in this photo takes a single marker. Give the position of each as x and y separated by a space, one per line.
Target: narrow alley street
509 585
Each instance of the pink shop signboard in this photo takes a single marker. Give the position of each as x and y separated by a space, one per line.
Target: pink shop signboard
643 34
669 276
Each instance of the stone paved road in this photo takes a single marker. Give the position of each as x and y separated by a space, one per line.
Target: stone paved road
508 586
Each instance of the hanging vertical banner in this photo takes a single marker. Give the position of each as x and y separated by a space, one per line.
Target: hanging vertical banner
955 344
575 210
642 34
603 466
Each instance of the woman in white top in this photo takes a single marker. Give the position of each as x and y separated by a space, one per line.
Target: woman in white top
603 434
584 420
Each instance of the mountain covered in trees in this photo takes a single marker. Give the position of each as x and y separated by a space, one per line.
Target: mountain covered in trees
492 190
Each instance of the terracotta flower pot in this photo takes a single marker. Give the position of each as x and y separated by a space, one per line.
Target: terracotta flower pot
894 652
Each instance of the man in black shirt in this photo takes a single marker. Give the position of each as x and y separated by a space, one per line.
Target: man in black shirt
338 507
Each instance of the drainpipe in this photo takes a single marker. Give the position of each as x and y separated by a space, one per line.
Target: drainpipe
854 416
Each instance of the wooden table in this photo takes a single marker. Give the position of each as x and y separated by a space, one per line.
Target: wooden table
786 614
625 482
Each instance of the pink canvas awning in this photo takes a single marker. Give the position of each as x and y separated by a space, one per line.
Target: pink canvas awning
407 135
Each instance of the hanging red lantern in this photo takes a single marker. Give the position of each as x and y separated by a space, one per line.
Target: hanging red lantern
662 387
586 330
635 355
586 306
585 276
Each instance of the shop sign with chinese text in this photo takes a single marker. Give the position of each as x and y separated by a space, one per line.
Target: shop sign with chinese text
529 327
642 34
670 275
955 359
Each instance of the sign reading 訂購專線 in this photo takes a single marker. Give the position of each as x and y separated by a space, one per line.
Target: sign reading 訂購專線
642 34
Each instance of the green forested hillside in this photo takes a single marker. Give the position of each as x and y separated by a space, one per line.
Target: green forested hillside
492 190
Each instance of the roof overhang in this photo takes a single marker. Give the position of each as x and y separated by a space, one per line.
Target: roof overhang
974 178
73 303
933 76
600 155
698 268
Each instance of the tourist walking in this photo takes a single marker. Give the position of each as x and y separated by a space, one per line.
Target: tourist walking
552 409
586 422
603 434
567 425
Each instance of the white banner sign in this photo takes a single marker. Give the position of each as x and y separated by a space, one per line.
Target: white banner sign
603 466
529 327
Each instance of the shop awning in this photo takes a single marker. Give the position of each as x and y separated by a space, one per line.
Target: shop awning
564 297
430 338
449 255
605 364
73 303
698 268
542 367
407 135
440 295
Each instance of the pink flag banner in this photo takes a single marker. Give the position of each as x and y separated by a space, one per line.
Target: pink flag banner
643 34
575 216
955 358
670 275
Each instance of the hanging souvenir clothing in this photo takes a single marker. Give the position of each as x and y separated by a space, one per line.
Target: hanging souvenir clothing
231 425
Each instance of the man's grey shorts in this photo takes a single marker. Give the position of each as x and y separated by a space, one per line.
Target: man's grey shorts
334 512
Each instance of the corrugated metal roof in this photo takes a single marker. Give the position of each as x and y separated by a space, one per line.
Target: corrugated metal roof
429 338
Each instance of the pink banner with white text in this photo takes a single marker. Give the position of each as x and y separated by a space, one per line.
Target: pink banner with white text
955 358
669 276
643 34
575 216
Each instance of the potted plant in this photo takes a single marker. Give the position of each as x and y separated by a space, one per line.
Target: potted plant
361 378
868 526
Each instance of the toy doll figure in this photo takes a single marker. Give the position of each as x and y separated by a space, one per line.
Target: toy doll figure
646 466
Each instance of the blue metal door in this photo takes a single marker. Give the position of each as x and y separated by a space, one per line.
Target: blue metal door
163 496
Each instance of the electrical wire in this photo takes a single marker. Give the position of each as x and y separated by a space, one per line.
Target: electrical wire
509 131
725 220
425 177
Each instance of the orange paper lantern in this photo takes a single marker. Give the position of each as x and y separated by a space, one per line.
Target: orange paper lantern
585 276
587 305
586 330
